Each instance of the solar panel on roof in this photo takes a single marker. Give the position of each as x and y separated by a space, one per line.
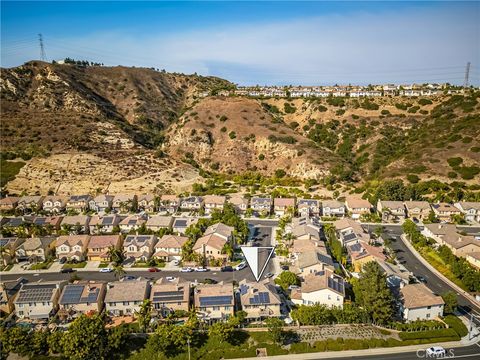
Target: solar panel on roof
180 223
243 289
107 221
215 300
348 237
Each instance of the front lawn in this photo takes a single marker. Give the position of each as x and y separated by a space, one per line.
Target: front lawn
141 264
41 266
75 265
103 264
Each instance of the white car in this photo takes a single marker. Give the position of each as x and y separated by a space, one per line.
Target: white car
436 351
241 266
106 270
200 269
170 278
187 269
292 287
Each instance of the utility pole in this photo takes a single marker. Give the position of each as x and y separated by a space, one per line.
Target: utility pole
467 74
43 56
188 342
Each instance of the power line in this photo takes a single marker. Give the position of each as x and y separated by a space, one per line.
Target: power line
43 56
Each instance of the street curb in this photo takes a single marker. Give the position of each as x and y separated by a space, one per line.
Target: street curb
438 273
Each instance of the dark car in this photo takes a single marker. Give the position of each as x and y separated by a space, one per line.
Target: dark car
284 267
153 269
63 260
67 270
226 269
421 279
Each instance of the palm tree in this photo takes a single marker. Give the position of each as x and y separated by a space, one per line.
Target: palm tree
228 250
115 255
144 314
118 271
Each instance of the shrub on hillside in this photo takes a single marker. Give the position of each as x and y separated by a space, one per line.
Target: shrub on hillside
454 161
424 102
429 334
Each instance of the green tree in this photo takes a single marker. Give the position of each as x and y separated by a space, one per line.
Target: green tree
115 255
275 329
372 293
15 340
451 302
223 331
144 315
287 278
118 271
55 342
86 338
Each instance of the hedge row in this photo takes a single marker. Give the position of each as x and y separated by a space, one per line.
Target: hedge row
456 324
429 334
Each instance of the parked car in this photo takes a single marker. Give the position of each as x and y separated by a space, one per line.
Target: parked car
226 269
268 275
187 269
241 266
170 278
291 287
436 351
63 260
67 270
106 270
284 267
128 278
201 269
153 269
421 279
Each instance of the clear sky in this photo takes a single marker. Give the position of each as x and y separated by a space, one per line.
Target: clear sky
256 42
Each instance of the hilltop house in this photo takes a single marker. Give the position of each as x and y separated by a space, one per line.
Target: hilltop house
214 302
470 210
54 204
124 298
104 224
8 203
38 301
240 203
391 211
259 300
445 211
282 205
419 303
167 297
333 208
192 203
417 209
97 249
308 207
123 203
78 202
101 203
139 247
147 203
30 203
72 247
324 287
357 207
169 203
169 247
213 202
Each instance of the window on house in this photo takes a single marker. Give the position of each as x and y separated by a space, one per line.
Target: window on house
428 316
216 308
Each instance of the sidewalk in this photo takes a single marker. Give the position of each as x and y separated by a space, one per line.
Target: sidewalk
436 272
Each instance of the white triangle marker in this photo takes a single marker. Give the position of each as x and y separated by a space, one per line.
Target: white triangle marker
251 256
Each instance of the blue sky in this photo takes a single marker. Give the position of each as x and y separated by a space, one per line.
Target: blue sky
256 42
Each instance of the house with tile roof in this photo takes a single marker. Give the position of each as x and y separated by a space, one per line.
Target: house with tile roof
192 203
308 207
158 222
78 202
312 262
213 202
30 203
169 296
333 208
8 203
147 202
139 247
97 249
180 224
261 206
38 300
448 235
76 224
132 223
417 209
259 300
418 302
214 302
35 249
474 259
72 247
240 203
324 287
445 211
54 204
361 253
391 211
81 297
470 210
169 247
101 203
104 224
221 230
350 231
282 205
124 298
357 206
8 292
122 203
169 203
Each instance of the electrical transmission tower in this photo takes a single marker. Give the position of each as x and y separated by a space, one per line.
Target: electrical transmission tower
467 74
43 56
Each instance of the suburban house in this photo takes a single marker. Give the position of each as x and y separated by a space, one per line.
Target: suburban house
396 275
313 262
82 297
146 202
54 204
445 211
417 209
210 246
282 205
31 203
304 228
214 302
38 300
78 202
181 224
324 287
97 249
259 300
101 203
391 211
8 293
446 234
220 229
308 207
8 203
474 259
169 247
9 245
357 206
36 249
169 203
303 246
350 231
72 247
125 297
333 208
361 253
132 222
213 202
76 224
240 203
51 223
123 202
157 222
169 296
104 224
191 203
261 206
139 247
419 303
16 224
470 210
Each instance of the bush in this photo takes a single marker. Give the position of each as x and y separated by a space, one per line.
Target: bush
424 102
289 109
321 108
232 135
340 112
223 118
223 129
454 161
430 334
468 172
452 175
400 106
413 178
413 109
385 112
261 157
475 149
456 324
